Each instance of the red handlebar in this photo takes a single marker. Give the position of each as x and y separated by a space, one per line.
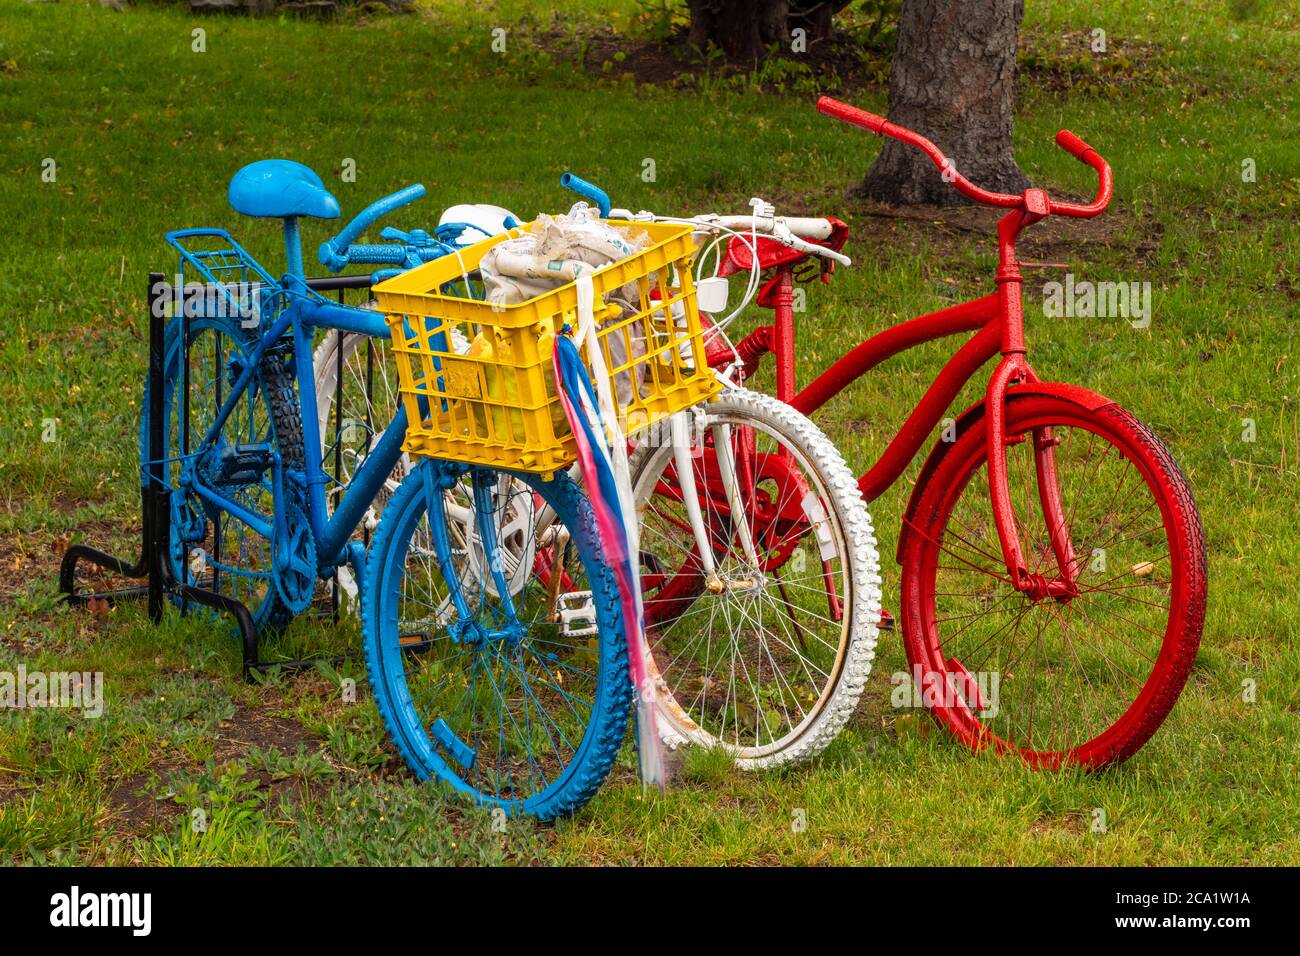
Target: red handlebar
851 114
1105 182
1073 145
1065 139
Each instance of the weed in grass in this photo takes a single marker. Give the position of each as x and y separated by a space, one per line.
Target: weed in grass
302 764
181 710
227 821
360 741
406 823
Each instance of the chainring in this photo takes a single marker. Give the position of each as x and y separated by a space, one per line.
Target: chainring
295 573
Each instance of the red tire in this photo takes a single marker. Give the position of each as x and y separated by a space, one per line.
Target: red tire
1084 679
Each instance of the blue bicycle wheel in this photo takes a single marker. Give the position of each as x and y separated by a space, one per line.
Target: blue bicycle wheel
208 546
477 680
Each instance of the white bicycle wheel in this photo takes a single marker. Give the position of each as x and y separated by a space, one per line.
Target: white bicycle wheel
763 646
352 427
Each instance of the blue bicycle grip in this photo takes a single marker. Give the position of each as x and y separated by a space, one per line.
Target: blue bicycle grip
332 252
378 254
587 191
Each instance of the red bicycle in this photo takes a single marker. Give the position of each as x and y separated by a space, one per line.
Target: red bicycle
1053 559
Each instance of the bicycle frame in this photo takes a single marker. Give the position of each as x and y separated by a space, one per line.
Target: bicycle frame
305 312
999 319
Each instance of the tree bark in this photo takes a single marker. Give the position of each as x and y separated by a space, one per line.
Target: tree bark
953 81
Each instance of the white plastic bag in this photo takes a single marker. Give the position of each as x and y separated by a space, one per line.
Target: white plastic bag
558 250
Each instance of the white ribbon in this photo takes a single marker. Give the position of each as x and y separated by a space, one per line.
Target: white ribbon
651 756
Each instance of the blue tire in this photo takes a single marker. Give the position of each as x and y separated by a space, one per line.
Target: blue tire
531 724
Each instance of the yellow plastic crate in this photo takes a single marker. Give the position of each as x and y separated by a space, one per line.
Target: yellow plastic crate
495 404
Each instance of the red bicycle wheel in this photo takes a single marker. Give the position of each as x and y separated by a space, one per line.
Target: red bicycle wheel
1083 678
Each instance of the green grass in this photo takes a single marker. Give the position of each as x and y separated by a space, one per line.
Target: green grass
145 135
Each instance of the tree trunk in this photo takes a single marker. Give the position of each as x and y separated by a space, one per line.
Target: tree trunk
744 29
732 25
953 81
815 16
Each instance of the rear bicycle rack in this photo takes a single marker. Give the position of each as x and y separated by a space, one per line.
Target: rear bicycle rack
155 516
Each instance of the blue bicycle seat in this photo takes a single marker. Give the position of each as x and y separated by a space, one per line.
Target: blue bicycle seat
277 188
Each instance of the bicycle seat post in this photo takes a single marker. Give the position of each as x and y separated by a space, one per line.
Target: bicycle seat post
293 247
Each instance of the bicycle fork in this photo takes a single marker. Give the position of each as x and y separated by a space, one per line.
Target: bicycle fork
683 453
1029 582
438 477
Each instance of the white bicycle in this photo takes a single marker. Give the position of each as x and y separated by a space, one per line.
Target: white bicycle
759 566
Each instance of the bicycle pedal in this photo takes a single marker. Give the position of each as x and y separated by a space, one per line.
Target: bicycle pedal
886 621
577 613
456 748
241 464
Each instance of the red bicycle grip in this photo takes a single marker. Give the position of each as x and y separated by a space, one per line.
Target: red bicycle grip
850 114
1073 145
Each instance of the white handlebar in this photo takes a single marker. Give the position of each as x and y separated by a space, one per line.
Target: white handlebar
806 227
787 230
792 232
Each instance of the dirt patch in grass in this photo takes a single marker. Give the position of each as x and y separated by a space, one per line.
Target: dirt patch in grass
1047 62
29 576
945 233
1067 62
135 811
1073 823
250 728
9 788
38 554
138 807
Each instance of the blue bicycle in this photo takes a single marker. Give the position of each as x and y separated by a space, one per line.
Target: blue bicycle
480 681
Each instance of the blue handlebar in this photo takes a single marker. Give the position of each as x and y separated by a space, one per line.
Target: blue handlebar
334 252
587 191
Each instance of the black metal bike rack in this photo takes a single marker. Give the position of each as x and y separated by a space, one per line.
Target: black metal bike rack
155 514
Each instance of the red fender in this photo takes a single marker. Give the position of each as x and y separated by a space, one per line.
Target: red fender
1080 396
